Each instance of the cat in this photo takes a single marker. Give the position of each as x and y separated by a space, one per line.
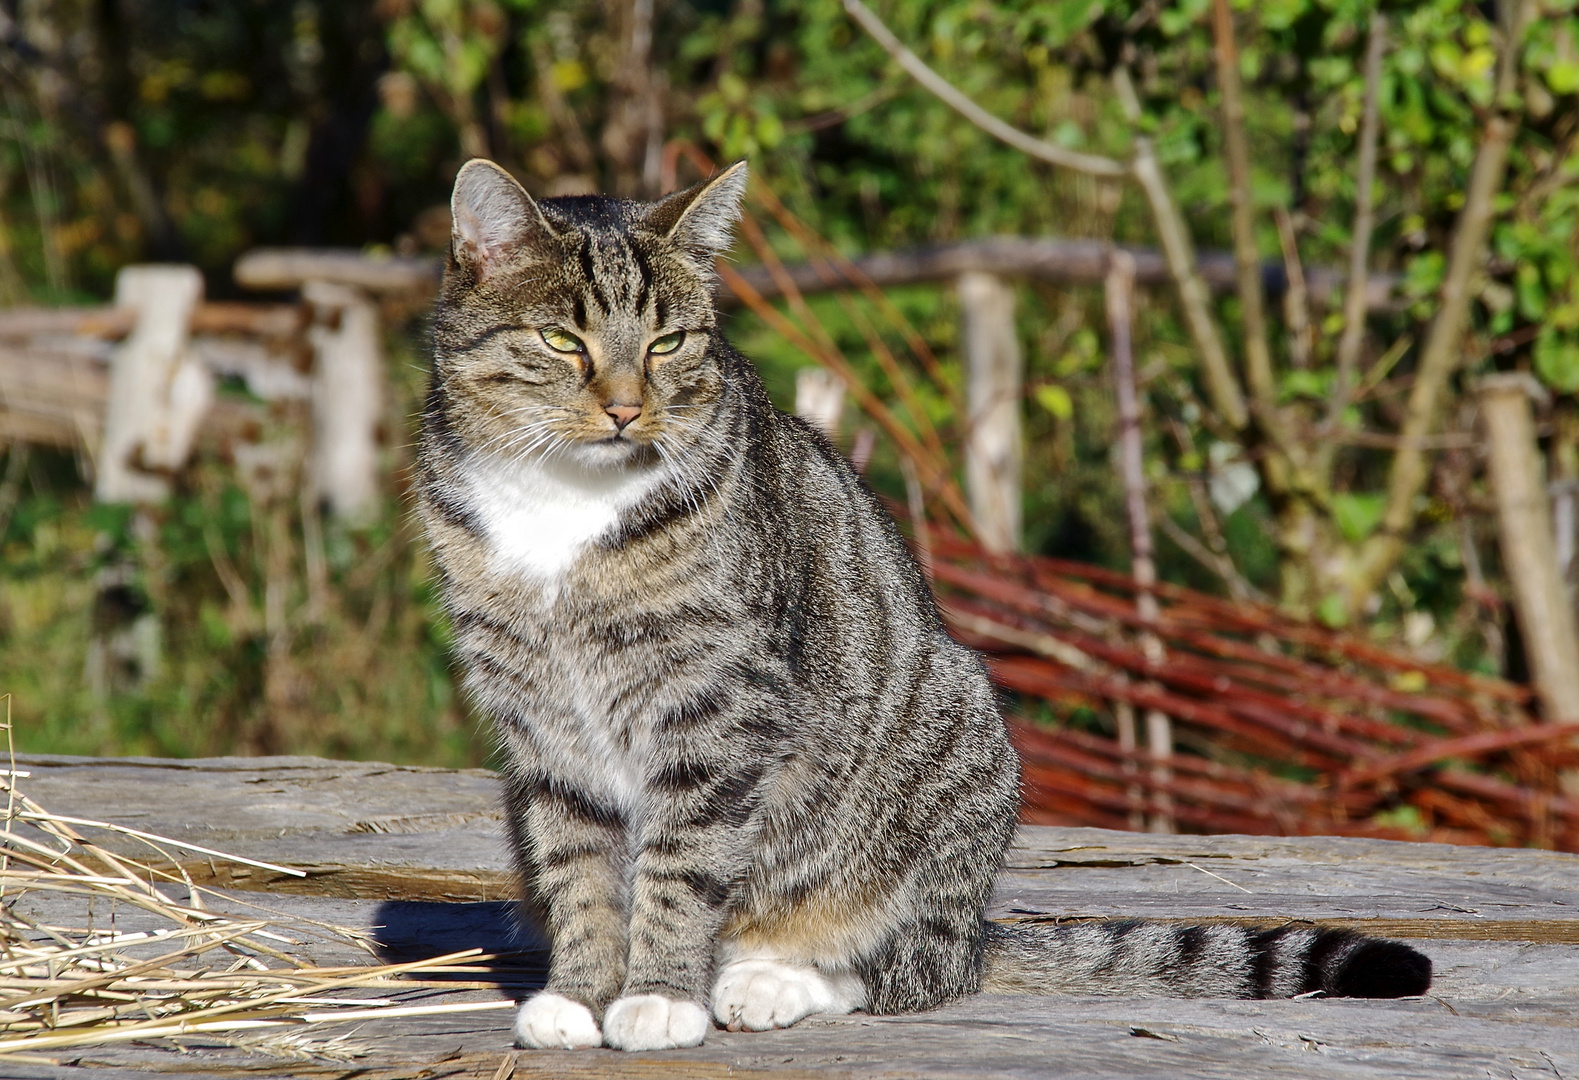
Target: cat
748 774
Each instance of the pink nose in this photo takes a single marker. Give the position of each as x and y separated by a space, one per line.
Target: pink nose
622 414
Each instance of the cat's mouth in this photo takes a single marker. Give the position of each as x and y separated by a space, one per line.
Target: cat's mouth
615 451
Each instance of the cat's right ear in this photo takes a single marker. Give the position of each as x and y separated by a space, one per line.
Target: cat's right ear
493 219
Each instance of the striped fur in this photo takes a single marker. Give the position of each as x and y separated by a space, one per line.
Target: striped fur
748 773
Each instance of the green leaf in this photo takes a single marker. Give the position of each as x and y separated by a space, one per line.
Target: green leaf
1557 361
1331 611
1357 514
1067 18
1056 400
1304 384
1406 817
1563 76
1424 274
1531 292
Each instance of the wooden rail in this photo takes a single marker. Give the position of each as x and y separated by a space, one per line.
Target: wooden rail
131 384
1056 261
981 269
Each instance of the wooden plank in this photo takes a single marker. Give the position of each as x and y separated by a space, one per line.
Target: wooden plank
1523 991
110 323
53 391
114 323
978 1037
1499 1007
376 831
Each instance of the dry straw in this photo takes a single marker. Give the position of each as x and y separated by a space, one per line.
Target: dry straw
197 971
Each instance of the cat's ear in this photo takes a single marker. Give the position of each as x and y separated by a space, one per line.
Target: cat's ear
701 219
493 218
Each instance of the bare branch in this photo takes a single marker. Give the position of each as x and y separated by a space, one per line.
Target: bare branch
1179 251
1296 298
1120 297
940 87
1442 351
1252 299
1193 293
559 110
1238 587
1364 218
1214 554
1119 293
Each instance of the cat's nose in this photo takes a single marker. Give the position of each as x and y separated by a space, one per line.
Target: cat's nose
622 414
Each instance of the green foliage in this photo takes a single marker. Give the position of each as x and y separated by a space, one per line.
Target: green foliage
194 132
1357 513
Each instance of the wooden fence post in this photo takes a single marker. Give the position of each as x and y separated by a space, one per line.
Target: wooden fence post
994 371
347 398
158 391
1540 599
819 399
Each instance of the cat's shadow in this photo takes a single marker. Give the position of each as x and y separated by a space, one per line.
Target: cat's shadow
514 959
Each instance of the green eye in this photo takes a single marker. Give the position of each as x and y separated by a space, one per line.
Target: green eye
667 344
560 341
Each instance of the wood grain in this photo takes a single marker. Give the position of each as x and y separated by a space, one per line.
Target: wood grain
392 850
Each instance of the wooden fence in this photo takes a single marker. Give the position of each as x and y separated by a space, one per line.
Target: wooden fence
132 386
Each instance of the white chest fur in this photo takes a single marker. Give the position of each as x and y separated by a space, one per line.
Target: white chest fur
539 518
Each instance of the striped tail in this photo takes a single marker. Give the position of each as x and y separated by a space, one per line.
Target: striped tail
1152 959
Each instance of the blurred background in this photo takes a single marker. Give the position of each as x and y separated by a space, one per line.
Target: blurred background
1262 302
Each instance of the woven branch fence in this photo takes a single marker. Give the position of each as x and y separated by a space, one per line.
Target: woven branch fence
1296 729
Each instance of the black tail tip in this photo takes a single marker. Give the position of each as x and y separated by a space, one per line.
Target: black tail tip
1383 969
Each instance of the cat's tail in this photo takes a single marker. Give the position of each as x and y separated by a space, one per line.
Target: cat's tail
1155 959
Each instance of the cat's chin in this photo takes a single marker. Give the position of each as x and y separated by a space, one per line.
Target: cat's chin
610 454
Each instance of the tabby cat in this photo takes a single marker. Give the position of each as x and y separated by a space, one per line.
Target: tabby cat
748 772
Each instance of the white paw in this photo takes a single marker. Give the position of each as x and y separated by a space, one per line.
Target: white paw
758 995
550 1022
653 1022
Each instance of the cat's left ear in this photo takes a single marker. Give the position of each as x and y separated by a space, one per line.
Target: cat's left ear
701 219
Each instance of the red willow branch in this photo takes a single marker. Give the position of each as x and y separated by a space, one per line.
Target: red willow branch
934 472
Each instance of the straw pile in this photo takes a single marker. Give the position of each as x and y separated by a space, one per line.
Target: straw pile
98 948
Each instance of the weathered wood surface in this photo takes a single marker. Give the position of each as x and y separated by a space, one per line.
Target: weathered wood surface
384 845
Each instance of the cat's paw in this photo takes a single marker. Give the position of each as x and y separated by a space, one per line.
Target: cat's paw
550 1022
759 995
653 1022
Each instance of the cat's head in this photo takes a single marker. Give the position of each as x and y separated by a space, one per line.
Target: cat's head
578 329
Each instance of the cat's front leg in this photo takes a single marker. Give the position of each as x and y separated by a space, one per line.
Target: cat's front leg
693 855
573 850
